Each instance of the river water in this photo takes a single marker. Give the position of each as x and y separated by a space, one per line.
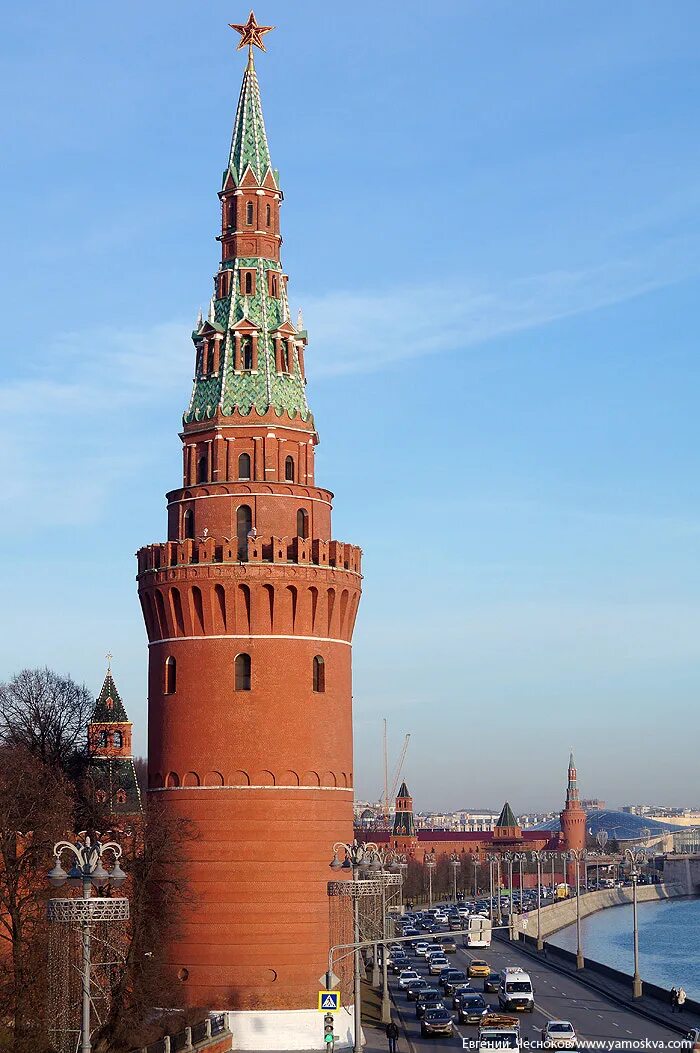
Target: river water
669 932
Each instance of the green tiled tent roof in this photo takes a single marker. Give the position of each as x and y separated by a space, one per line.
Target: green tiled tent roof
111 774
403 790
263 389
249 147
104 713
506 818
403 824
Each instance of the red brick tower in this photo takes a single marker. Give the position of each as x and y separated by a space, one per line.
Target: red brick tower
403 831
111 772
573 819
249 608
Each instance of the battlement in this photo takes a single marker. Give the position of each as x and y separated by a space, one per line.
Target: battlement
297 550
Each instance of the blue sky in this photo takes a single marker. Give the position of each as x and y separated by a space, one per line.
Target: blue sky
491 222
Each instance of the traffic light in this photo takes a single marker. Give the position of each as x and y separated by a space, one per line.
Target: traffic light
328 1031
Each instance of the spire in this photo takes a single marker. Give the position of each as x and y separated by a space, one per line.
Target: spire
506 818
250 357
109 708
249 147
572 763
403 790
571 786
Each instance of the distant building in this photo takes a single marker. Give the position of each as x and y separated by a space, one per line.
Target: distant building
594 805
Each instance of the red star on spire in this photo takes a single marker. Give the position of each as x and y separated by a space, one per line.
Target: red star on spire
251 33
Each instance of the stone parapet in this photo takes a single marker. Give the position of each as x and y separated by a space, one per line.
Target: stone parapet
303 551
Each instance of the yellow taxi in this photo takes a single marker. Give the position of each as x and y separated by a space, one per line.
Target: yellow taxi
477 967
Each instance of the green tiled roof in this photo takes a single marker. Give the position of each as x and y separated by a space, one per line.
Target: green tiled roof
403 824
104 712
111 774
506 818
403 790
249 147
263 389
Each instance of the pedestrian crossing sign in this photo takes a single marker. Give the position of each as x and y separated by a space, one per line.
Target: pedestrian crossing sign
328 1001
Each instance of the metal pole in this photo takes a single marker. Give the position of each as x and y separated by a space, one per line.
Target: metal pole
386 1008
476 892
85 1043
454 882
499 912
636 979
511 915
579 950
552 875
539 904
357 1047
491 891
430 884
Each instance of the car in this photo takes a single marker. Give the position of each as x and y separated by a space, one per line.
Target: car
453 978
406 976
437 963
415 987
436 1022
471 1007
459 989
559 1034
477 967
422 948
491 983
429 998
398 963
449 945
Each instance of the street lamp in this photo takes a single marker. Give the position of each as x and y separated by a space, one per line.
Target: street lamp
602 839
384 859
494 859
476 863
87 870
539 856
508 857
455 864
356 856
575 855
635 856
430 862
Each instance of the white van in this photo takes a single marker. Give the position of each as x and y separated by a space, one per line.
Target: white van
515 990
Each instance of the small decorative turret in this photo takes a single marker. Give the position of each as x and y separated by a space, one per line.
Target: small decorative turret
111 769
507 828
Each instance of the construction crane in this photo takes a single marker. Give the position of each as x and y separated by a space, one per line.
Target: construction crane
390 788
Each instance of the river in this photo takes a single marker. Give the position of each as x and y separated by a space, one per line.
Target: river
669 931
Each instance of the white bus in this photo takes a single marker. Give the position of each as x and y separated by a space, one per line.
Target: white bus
478 931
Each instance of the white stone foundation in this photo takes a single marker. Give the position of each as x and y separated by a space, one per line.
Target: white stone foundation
287 1029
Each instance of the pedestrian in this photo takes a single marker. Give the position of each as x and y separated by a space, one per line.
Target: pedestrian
674 999
680 999
392 1033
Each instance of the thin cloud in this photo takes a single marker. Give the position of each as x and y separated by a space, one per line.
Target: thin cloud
360 332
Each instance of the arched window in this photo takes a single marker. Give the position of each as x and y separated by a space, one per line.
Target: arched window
275 286
244 466
170 676
289 469
102 739
202 469
319 674
249 212
247 351
242 670
117 740
302 523
121 796
210 358
248 283
188 523
244 524
268 215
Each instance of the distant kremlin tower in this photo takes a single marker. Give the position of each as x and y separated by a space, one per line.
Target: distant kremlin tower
250 608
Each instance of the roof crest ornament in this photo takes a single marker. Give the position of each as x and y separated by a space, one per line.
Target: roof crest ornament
251 35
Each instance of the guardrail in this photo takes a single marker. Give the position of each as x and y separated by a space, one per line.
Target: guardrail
190 1038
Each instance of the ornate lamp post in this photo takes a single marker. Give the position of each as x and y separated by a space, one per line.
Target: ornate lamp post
576 855
455 865
430 862
539 856
476 863
382 860
87 870
602 839
508 857
519 858
356 856
635 857
494 859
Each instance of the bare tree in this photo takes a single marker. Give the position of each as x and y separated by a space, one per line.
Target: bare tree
36 810
158 893
47 715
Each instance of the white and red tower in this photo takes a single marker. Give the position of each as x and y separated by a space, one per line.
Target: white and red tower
249 608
